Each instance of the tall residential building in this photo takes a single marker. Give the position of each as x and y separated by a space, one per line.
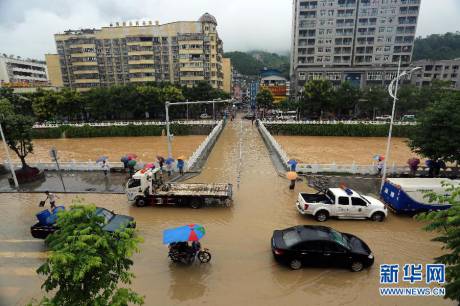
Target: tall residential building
227 69
20 72
360 41
183 52
442 70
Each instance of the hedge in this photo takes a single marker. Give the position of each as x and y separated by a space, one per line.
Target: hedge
119 131
351 130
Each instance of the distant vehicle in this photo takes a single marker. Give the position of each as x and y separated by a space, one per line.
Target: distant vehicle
407 195
408 118
310 245
112 223
249 116
205 116
147 187
383 118
340 203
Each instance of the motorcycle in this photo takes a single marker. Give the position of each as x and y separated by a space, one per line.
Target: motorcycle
182 253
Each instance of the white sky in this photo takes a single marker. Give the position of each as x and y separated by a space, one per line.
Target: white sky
27 26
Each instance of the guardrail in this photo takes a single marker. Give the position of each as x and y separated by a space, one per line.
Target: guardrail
352 168
351 122
125 123
205 146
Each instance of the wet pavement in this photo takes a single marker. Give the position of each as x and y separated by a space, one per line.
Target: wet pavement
242 270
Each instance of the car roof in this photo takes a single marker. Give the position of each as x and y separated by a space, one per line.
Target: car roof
313 232
341 193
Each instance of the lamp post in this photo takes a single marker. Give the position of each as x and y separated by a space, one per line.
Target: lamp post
393 91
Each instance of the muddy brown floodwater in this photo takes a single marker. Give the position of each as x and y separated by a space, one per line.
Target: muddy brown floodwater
344 150
242 270
85 149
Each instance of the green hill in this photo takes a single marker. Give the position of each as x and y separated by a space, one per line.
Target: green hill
250 63
437 47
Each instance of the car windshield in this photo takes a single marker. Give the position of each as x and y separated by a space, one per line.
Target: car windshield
106 214
339 238
291 238
331 196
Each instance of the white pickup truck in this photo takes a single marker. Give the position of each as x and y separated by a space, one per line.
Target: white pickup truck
341 203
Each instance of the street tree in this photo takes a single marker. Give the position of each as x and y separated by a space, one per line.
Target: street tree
264 99
374 101
317 97
87 265
446 224
345 99
437 133
18 131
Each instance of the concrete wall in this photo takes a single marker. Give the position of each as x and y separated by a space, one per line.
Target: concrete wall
54 70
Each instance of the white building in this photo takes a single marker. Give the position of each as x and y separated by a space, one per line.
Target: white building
19 72
355 40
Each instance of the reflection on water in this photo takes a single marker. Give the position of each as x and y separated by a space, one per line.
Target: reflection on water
242 270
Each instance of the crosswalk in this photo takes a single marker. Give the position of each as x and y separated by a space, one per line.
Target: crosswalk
19 260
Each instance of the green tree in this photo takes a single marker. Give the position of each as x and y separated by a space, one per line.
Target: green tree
437 133
317 97
264 99
345 99
374 101
45 105
17 129
69 104
87 265
446 223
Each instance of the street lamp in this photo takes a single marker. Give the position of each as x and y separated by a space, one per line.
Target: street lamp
393 91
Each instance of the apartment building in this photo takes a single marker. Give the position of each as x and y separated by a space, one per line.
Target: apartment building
227 69
19 72
182 52
360 41
442 70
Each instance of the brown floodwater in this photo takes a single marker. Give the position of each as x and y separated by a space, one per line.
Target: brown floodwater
89 149
242 270
344 150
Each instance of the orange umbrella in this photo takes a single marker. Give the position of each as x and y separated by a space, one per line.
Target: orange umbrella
291 175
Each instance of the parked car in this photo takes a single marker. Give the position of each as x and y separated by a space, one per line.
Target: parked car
249 116
205 116
383 118
309 245
342 203
408 118
112 223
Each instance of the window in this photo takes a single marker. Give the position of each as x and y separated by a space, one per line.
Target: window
333 247
312 246
291 238
358 202
344 201
134 183
331 196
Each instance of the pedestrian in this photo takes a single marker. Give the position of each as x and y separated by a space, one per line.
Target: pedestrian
105 167
161 161
380 165
180 166
169 164
413 165
430 164
253 118
52 198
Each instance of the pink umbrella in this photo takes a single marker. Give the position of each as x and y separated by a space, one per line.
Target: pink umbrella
149 166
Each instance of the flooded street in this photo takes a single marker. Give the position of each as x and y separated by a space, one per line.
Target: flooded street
242 270
89 149
344 150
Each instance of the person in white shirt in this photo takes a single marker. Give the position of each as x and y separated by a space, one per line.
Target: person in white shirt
52 198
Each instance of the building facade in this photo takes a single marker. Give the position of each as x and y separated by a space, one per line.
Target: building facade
227 70
443 70
183 52
360 41
273 81
17 72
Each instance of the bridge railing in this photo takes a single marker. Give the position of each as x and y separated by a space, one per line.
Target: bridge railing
351 122
205 146
125 123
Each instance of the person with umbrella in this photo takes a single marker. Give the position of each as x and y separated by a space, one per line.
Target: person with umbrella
292 176
293 164
180 164
105 165
413 163
169 163
161 161
125 161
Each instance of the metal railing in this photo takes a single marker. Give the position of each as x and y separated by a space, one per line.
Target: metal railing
204 146
351 122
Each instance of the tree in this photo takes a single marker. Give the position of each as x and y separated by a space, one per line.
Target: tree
317 97
44 105
86 264
345 99
437 133
18 130
264 99
374 100
447 224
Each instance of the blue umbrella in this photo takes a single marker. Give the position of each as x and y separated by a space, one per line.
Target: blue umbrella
169 161
124 159
292 162
191 232
101 159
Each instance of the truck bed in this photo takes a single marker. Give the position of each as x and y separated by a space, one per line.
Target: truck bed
199 189
315 198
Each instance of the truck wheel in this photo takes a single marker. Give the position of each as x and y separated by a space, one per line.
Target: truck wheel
196 204
322 215
141 202
378 217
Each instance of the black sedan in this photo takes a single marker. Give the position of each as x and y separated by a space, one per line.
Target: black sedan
320 246
112 223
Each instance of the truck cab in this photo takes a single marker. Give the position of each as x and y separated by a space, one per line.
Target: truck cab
343 203
140 185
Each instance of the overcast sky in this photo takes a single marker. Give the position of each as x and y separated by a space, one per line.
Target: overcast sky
27 26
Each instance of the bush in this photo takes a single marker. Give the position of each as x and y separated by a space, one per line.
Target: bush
120 131
351 130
